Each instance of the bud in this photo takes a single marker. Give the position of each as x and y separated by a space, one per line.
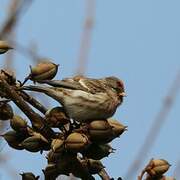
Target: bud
29 176
100 131
97 152
35 143
56 117
117 127
157 167
18 123
43 71
14 139
76 142
57 145
6 111
4 47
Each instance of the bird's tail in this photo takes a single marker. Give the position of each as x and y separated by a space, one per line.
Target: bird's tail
52 92
36 88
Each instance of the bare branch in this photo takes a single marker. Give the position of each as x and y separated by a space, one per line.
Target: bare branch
155 128
86 37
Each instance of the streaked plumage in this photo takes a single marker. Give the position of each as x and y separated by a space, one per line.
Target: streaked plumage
85 98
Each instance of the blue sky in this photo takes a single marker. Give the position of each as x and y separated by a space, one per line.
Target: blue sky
137 41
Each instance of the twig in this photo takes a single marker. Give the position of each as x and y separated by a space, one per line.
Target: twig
33 102
15 14
155 128
86 37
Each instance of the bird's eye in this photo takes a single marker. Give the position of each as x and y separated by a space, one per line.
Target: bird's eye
113 89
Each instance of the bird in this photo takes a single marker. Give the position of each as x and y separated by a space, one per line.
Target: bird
84 99
4 47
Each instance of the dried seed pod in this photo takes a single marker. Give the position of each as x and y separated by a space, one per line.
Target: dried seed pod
51 171
117 127
100 131
157 167
56 117
35 143
76 142
79 170
53 157
94 166
148 177
6 111
97 151
8 76
14 139
18 123
4 47
57 145
43 71
29 176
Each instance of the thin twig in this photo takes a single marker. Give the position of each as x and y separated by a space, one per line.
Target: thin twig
21 6
86 37
155 128
33 102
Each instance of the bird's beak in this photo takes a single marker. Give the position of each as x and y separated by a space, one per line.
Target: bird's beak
123 94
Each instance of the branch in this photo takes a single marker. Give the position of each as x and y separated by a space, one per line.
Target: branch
13 16
33 102
86 37
155 128
37 121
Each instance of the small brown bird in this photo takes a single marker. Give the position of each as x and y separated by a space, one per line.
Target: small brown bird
85 98
4 47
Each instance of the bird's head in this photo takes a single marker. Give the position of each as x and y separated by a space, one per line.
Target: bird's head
116 84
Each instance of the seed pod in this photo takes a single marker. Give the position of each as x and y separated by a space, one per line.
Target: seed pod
65 161
51 171
79 170
76 142
117 127
14 139
100 131
148 177
29 176
94 166
56 117
4 47
43 71
97 152
157 167
53 157
18 123
6 111
8 76
57 145
35 143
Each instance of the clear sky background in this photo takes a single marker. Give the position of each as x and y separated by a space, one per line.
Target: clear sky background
135 40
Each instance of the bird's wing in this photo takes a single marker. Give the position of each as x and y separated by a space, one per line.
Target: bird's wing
93 85
64 84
